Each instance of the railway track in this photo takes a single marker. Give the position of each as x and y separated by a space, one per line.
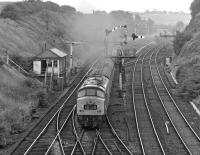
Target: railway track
132 132
184 106
172 142
188 135
150 143
102 141
38 140
99 141
85 141
108 141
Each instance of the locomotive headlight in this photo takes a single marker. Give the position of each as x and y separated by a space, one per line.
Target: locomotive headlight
99 111
81 110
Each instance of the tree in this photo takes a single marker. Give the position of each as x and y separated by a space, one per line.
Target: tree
137 18
9 12
180 39
180 26
150 23
195 7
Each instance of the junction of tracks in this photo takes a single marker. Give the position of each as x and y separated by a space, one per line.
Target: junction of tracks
149 119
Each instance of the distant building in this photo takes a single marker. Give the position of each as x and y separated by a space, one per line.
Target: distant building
51 67
99 12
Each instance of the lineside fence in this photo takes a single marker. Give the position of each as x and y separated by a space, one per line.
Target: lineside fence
7 60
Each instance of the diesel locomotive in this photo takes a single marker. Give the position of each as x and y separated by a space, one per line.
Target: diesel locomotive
93 95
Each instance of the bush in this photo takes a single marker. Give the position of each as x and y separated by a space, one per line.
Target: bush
9 12
13 120
42 96
68 9
195 7
31 83
180 39
190 88
1 62
24 62
59 33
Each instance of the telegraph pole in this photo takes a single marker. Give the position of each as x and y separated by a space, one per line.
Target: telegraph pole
71 43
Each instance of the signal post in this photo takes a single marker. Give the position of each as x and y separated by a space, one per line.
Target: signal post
120 58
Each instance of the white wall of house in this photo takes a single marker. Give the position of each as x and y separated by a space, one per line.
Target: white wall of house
37 67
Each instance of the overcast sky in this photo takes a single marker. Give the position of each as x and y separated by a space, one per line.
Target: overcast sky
127 5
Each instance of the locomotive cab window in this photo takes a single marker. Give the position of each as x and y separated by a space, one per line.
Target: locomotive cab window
81 93
91 92
100 93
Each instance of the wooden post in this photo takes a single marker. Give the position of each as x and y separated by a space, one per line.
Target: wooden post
71 56
65 70
106 45
7 58
51 74
58 67
45 76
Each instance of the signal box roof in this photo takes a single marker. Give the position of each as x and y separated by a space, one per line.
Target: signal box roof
52 53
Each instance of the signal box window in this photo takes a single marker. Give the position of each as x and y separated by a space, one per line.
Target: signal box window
55 63
49 63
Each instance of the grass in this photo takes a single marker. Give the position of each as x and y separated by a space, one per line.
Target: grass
18 97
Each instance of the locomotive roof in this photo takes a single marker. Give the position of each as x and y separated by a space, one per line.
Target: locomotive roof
103 67
96 81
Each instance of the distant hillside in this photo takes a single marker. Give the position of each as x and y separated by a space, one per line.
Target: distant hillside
167 18
26 26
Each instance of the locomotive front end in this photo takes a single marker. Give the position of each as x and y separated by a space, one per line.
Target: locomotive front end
90 106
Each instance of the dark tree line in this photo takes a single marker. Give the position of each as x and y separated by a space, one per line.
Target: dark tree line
195 7
179 41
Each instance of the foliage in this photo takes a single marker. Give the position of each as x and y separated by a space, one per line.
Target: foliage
9 12
68 9
180 39
188 77
19 9
13 120
195 7
137 18
24 62
31 83
179 26
189 89
33 0
1 62
59 33
42 96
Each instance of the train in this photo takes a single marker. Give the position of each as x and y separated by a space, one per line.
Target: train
94 94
